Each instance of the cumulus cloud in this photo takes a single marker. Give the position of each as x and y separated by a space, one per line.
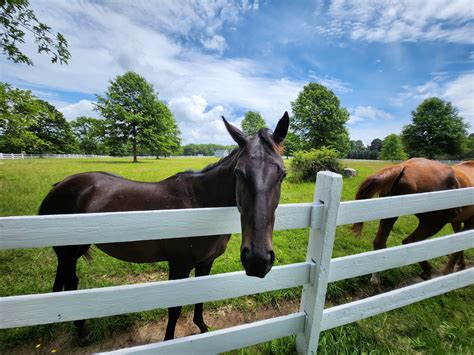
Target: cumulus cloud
148 39
81 108
200 123
460 91
367 113
395 20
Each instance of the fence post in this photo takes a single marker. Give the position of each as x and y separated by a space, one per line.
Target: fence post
321 240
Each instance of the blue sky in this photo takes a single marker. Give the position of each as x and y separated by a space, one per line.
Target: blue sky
207 59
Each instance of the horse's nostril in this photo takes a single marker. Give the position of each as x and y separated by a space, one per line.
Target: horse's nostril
271 254
244 253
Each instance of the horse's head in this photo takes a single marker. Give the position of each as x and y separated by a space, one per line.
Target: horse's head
259 172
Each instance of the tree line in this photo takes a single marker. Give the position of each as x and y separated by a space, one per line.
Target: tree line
135 122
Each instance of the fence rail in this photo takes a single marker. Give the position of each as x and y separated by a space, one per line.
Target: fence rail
322 217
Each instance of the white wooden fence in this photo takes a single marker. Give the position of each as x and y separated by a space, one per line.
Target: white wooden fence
12 156
322 216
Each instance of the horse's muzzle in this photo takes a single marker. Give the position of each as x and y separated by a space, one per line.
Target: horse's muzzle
257 263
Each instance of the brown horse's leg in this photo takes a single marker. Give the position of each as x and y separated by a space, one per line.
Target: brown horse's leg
427 227
201 270
458 258
177 271
380 242
453 258
67 280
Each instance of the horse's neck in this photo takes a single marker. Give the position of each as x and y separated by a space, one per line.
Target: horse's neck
216 187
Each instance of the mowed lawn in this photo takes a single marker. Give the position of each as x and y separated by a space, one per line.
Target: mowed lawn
443 324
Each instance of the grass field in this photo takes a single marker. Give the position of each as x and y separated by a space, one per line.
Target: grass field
443 324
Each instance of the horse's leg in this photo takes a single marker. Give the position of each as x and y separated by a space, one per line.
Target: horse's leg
67 280
453 258
201 270
177 271
427 227
458 258
380 242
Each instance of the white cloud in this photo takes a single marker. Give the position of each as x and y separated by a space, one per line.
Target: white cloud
215 43
81 108
368 113
147 39
395 20
459 91
200 123
334 84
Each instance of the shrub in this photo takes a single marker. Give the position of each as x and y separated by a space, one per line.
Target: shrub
306 164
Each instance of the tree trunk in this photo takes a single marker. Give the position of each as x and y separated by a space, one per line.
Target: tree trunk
134 142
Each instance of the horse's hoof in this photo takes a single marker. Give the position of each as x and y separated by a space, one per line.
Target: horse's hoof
375 280
85 336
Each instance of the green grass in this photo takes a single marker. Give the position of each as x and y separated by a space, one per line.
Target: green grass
439 325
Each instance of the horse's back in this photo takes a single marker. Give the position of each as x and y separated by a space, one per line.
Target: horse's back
99 192
424 175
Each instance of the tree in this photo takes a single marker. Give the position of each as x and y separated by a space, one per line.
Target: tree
376 145
392 148
18 111
134 115
30 125
16 19
291 144
436 129
319 120
90 135
53 129
252 123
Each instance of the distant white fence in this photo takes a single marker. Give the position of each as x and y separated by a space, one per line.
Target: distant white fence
37 156
322 216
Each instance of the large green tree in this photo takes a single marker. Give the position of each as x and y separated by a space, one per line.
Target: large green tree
135 116
436 129
90 135
30 125
252 123
319 120
376 145
392 148
16 21
53 129
291 144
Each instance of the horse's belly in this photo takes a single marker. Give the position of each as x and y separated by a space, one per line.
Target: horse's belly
147 251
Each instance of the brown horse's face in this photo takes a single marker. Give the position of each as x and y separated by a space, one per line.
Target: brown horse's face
259 172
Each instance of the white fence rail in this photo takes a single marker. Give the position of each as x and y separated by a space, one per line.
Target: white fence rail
322 217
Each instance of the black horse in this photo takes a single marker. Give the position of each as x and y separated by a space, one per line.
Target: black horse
249 178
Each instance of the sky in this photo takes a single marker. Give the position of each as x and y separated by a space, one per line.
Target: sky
212 58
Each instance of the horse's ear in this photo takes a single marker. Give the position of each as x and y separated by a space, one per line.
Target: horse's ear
237 135
281 129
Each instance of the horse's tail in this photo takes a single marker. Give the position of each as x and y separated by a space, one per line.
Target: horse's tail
380 183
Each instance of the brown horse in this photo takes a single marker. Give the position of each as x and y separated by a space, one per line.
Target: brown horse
249 178
414 176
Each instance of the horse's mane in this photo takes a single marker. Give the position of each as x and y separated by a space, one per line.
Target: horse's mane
265 135
213 165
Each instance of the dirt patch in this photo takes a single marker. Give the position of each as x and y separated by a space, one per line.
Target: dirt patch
153 332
